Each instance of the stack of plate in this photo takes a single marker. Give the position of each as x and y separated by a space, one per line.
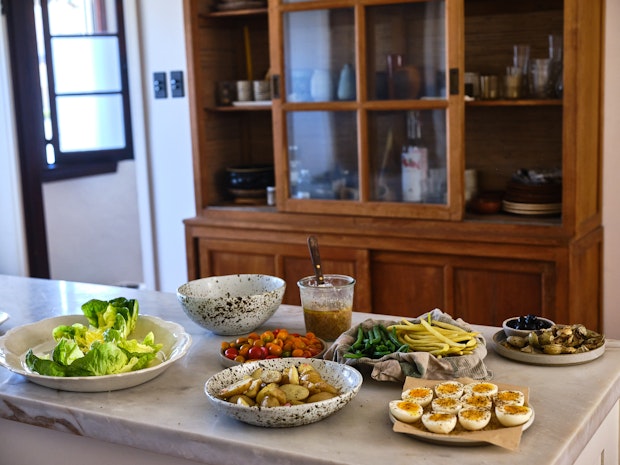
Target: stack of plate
231 5
533 199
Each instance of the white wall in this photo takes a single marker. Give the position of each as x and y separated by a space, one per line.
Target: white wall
93 232
611 168
168 139
13 259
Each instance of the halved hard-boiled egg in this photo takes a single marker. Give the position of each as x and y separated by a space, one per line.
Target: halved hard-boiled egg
405 410
446 405
419 395
477 401
441 423
509 397
474 419
449 389
513 415
481 389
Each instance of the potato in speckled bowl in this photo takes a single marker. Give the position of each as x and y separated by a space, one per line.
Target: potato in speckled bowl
233 304
347 380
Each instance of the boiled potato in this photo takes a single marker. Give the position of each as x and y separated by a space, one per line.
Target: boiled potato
242 399
293 375
271 376
273 390
238 387
323 395
295 392
254 388
270 401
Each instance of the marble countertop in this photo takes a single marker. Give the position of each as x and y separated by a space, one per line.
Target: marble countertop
171 415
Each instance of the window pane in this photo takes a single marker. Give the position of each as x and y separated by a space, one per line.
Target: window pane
408 156
323 154
86 64
319 55
407 51
90 122
85 17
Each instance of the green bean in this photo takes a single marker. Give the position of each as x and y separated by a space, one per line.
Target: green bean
375 342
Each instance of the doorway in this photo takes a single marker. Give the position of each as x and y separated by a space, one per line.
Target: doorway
72 209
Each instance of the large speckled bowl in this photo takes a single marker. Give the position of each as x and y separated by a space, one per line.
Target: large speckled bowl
345 378
233 304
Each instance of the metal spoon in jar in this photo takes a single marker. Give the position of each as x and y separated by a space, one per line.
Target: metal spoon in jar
315 256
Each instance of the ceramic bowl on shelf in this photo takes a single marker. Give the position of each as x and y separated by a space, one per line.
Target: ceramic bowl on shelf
233 304
522 326
347 380
487 202
250 177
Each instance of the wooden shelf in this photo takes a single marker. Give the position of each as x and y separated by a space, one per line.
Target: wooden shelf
514 103
235 13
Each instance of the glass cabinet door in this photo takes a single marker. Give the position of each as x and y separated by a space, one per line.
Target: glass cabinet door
364 108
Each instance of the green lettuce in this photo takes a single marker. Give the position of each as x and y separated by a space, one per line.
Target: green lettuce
102 347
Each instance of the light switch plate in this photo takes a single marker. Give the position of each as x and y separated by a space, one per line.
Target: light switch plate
159 85
177 89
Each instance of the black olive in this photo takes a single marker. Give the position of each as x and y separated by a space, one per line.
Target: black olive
529 323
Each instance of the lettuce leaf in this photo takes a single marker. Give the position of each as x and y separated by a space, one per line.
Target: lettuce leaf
102 348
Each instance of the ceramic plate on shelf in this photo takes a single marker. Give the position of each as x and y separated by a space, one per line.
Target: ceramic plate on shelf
38 336
253 103
544 359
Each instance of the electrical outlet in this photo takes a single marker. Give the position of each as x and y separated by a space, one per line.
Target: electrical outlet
159 85
177 89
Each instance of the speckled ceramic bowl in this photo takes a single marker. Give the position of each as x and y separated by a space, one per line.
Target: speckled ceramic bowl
345 378
233 304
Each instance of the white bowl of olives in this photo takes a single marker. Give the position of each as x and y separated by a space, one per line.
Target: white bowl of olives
522 326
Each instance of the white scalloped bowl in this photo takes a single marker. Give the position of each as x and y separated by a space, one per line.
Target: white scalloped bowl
345 378
233 304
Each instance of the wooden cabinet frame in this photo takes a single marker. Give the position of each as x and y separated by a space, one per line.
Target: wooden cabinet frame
560 258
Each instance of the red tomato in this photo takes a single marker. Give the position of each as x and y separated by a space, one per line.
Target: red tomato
231 353
256 353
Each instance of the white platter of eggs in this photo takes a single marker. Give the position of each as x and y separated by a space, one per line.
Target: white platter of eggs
462 412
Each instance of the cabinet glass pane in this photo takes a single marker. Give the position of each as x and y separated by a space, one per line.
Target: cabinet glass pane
319 55
322 155
407 151
406 51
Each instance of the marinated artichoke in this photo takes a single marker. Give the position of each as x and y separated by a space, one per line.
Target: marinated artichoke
559 339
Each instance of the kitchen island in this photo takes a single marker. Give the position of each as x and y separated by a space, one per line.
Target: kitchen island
169 420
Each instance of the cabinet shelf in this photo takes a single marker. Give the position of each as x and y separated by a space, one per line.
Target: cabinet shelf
514 103
234 13
240 108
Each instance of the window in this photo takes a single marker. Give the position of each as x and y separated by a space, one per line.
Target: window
84 86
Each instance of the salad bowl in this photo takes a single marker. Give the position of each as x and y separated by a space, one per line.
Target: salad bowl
16 343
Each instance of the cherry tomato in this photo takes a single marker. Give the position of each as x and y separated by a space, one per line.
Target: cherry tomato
231 353
255 353
267 336
244 349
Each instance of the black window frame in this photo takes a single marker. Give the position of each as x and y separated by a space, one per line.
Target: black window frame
89 162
